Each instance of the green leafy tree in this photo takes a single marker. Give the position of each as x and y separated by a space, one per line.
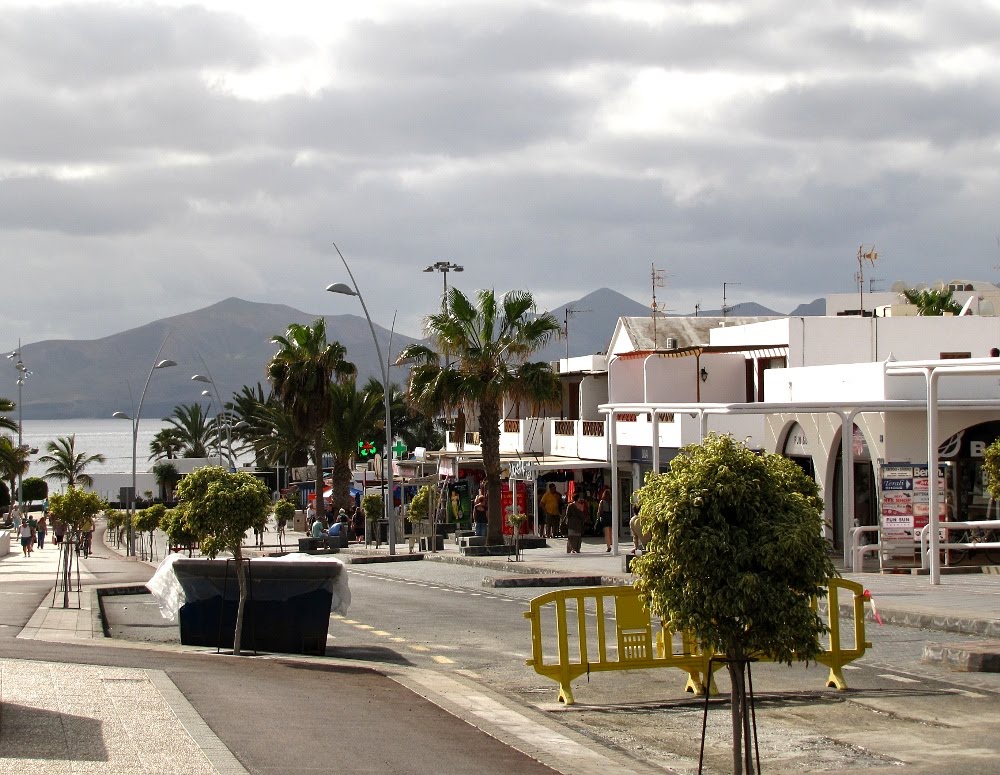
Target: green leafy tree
373 506
167 477
737 554
284 512
353 412
488 343
14 462
68 465
35 489
6 423
301 373
75 506
220 507
930 302
167 443
420 507
179 534
991 468
193 428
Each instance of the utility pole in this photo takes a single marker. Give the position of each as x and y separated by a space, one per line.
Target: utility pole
869 255
22 376
657 281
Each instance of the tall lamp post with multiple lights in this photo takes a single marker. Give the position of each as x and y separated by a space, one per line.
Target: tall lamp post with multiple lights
22 377
444 267
348 291
134 419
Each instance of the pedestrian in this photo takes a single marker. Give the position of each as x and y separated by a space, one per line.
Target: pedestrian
58 530
310 515
551 504
604 513
24 533
33 524
576 519
87 533
480 515
40 530
358 523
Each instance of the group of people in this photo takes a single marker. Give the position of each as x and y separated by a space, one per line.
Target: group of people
343 524
32 531
572 520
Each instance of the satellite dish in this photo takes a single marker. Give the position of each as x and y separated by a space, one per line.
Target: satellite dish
986 308
920 287
899 286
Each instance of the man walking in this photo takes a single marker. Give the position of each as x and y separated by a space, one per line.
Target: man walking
551 503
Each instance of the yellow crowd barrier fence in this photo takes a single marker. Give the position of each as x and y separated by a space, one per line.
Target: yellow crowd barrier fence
577 631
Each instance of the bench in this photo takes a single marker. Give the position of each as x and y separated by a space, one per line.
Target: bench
330 544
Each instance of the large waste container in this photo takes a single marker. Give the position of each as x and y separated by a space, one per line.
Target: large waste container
287 611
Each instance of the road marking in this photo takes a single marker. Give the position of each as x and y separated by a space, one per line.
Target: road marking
899 678
524 733
382 633
443 660
850 667
348 621
415 647
364 626
967 693
398 640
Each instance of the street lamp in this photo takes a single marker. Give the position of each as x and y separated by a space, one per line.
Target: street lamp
229 436
134 419
22 376
444 267
346 290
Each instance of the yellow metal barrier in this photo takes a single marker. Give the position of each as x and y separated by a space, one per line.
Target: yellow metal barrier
575 622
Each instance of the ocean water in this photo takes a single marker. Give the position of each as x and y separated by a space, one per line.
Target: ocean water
111 438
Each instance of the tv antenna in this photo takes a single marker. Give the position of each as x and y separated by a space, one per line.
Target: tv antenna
697 308
870 255
871 283
567 314
726 307
656 280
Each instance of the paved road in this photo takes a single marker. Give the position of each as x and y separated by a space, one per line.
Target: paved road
438 614
275 715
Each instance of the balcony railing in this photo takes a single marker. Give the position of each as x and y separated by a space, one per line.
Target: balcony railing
593 428
564 428
511 426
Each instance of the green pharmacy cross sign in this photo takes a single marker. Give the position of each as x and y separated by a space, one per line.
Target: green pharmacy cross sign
399 448
366 448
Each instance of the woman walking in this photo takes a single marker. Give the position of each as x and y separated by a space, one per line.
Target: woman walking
604 513
24 533
40 530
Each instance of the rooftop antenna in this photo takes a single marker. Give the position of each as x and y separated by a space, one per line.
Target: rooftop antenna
567 314
697 308
871 283
870 255
657 281
726 307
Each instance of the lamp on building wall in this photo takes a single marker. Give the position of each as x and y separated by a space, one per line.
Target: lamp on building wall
704 374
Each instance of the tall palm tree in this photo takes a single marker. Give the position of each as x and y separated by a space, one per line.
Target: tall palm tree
7 406
488 342
266 427
301 373
167 443
193 429
930 302
68 465
353 413
14 462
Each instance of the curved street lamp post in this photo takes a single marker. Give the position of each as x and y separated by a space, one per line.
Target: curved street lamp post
164 364
346 290
22 376
224 422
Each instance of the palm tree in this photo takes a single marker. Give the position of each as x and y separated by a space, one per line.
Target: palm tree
930 302
167 477
6 406
301 374
67 464
166 443
193 429
415 427
488 343
266 427
14 462
353 414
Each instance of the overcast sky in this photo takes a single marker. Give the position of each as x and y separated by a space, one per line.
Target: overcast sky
159 157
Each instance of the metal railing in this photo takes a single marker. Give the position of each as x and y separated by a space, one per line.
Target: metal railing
923 535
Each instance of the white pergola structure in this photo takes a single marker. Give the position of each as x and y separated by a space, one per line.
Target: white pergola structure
847 411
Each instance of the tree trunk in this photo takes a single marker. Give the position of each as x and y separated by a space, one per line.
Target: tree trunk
489 439
241 577
340 484
320 513
742 761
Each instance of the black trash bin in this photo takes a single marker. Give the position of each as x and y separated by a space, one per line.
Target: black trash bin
288 610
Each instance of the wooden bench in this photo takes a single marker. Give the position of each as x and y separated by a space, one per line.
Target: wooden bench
324 544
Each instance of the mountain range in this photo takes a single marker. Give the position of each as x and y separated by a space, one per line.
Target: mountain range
230 342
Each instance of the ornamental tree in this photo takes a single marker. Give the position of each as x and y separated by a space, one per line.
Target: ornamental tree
220 507
75 506
736 556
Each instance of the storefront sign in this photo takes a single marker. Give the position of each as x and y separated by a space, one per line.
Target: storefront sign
522 469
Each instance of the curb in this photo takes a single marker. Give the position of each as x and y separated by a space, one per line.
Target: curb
970 658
